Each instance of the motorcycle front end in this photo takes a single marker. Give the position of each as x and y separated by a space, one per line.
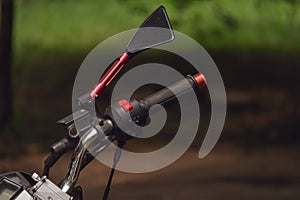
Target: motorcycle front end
95 134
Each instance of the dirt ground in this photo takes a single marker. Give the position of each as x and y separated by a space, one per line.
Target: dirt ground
227 173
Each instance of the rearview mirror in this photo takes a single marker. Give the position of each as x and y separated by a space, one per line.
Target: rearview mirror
155 30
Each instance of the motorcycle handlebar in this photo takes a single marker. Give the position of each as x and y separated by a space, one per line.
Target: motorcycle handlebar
139 110
195 82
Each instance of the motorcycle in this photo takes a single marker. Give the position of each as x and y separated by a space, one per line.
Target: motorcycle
98 132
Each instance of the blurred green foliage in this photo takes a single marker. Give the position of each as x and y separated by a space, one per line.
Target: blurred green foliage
61 26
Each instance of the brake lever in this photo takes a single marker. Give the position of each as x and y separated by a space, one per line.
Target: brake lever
87 140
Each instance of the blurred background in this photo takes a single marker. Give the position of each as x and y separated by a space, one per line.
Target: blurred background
255 44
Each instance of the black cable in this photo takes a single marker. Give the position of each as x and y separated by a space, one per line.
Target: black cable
49 162
116 159
46 171
57 150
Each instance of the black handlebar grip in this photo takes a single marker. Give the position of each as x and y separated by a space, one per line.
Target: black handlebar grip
139 110
195 82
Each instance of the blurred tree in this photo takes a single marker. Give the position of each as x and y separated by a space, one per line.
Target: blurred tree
5 61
